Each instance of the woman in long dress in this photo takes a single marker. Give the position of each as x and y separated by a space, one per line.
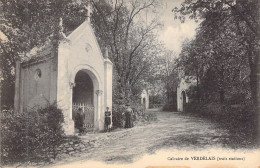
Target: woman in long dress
128 117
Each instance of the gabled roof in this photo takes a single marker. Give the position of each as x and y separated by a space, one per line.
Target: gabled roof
45 51
38 54
86 28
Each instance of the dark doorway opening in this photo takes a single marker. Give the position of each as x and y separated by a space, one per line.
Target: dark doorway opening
184 102
83 103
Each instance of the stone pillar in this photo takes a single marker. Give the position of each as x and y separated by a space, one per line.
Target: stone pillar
72 85
178 99
147 99
88 13
65 85
108 84
17 86
98 121
68 121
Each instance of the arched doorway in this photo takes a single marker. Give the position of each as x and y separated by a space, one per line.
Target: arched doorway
144 103
184 101
83 111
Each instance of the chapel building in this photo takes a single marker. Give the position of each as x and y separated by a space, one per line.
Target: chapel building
77 77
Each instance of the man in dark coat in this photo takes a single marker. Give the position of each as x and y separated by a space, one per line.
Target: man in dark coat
79 120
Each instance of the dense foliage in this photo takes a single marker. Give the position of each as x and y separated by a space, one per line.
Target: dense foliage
31 135
130 41
224 54
223 58
120 28
26 24
118 117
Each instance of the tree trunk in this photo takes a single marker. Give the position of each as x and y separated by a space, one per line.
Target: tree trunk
198 90
221 87
221 96
253 82
253 74
258 97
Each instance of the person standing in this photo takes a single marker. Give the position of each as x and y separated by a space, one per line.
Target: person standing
107 119
128 117
79 120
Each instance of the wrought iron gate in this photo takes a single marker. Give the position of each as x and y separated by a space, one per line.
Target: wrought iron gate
88 111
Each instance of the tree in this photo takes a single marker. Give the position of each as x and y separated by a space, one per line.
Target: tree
231 28
118 27
224 56
168 75
26 24
131 44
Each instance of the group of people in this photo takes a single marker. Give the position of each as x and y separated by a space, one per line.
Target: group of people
128 113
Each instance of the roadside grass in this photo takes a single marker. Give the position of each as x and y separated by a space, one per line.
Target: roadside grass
241 126
145 118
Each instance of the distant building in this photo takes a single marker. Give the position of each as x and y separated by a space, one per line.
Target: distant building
77 77
182 97
145 98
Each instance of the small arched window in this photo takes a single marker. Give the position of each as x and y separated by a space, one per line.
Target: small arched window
38 74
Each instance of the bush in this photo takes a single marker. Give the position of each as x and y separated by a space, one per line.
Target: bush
169 107
142 118
239 119
138 109
32 134
118 117
146 118
155 106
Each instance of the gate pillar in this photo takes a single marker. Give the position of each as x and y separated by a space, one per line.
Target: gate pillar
98 109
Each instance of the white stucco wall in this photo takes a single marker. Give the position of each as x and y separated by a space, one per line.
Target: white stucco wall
145 95
183 86
34 93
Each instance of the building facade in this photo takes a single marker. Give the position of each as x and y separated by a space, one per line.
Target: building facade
145 98
182 97
77 77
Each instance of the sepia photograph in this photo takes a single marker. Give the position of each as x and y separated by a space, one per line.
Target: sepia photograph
130 83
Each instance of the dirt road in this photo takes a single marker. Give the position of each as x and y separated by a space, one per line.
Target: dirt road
171 130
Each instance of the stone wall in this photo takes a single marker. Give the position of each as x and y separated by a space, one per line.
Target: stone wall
183 87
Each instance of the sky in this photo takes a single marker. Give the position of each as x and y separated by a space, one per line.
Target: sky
173 32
